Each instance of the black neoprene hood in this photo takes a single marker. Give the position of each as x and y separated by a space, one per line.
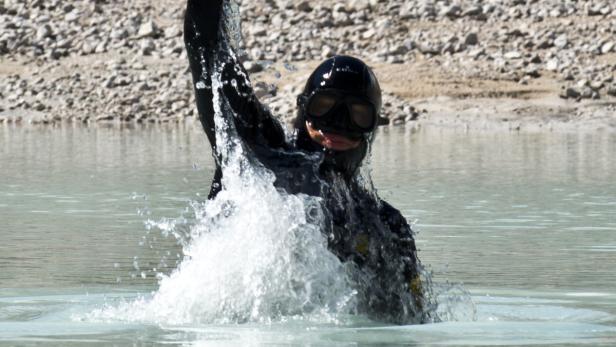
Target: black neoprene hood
346 74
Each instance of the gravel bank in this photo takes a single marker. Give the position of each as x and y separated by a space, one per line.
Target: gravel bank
115 61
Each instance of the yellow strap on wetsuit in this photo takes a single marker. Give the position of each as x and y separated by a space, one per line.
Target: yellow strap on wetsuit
362 244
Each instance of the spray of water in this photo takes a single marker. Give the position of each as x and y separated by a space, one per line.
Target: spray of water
255 255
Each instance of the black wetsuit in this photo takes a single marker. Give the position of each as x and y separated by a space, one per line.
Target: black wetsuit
361 227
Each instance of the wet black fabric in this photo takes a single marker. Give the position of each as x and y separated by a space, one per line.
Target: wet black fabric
360 227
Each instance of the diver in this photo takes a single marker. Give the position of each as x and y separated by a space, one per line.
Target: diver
338 113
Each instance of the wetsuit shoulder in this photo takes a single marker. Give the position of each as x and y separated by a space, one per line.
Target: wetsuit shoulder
212 57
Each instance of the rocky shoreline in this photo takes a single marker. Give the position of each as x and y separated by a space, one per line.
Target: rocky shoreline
112 61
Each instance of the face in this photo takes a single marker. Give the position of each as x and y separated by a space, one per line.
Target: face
335 142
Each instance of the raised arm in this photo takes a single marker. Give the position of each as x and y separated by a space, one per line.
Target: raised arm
209 35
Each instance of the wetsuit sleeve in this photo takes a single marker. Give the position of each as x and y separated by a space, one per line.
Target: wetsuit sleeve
212 57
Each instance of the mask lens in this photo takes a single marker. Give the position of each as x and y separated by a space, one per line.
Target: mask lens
321 104
362 114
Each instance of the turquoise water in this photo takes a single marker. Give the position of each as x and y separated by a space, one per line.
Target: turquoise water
524 222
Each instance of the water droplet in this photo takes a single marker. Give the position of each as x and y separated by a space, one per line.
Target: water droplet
200 85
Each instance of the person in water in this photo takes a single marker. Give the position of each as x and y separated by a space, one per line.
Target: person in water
338 113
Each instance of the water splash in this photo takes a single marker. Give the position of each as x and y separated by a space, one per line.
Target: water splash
453 303
255 255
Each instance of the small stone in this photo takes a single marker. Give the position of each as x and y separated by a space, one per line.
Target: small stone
263 89
596 85
476 53
399 120
587 93
327 52
38 106
561 41
594 10
253 67
429 48
568 76
304 6
582 83
87 48
368 34
452 11
572 93
536 59
552 64
413 116
54 54
532 71
611 90
43 32
73 16
101 47
513 55
448 48
545 44
104 117
340 8
471 39
109 82
147 29
358 5
118 34
147 47
172 31
607 47
257 31
473 11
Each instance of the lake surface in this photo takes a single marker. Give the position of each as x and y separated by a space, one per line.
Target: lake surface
525 223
